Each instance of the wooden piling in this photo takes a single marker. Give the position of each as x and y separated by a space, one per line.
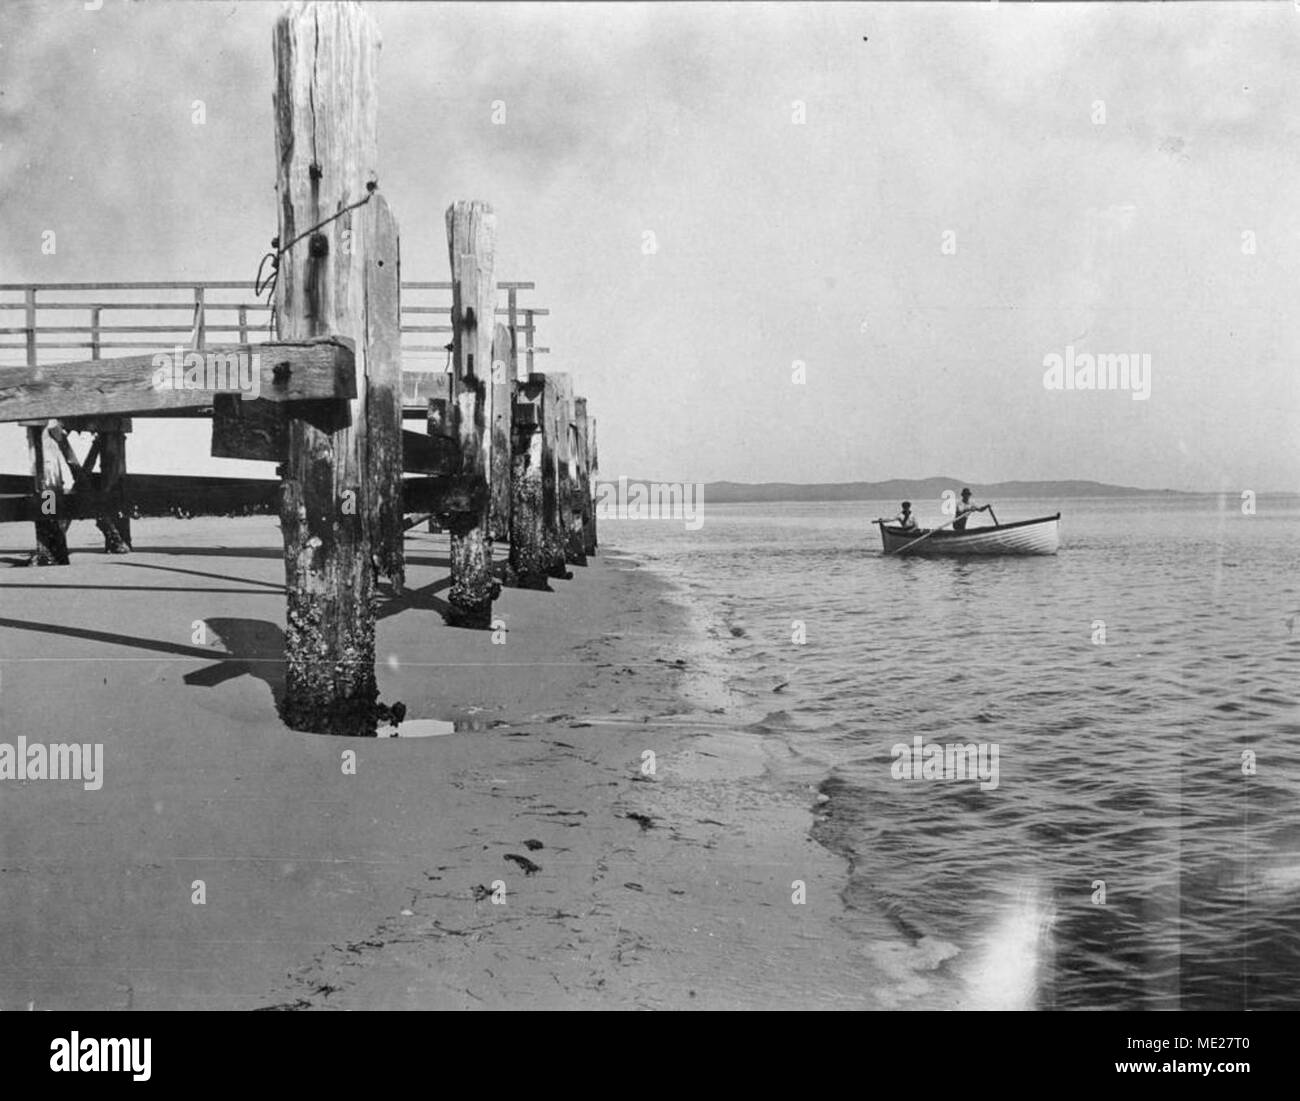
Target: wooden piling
383 438
583 503
325 107
114 518
529 562
47 482
552 517
593 467
47 486
502 388
471 243
567 475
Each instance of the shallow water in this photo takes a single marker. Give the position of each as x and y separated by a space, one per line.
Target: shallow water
1125 858
436 728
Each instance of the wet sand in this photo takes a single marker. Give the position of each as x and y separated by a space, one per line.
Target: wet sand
527 860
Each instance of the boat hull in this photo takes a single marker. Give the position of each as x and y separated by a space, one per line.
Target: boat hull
1039 536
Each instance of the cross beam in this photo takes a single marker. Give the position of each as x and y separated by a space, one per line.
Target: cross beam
279 371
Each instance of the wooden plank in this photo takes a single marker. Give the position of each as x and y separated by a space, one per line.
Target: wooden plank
213 284
186 305
325 109
129 286
96 424
529 562
383 441
471 244
413 285
502 387
155 495
287 371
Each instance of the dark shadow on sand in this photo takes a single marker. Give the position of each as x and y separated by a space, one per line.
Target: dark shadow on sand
203 573
253 646
141 589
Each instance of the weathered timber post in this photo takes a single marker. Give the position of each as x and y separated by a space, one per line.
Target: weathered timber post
442 422
47 486
566 479
47 481
471 243
114 519
512 322
114 511
529 564
325 107
584 504
382 486
503 382
593 468
552 495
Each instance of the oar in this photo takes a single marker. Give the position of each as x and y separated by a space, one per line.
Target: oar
922 539
995 517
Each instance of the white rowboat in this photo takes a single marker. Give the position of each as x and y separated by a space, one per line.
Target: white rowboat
1040 536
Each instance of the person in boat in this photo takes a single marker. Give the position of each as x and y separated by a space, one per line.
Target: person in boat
905 519
964 510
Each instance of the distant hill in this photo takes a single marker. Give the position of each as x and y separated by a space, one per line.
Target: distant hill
918 489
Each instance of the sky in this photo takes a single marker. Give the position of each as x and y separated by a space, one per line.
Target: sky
919 203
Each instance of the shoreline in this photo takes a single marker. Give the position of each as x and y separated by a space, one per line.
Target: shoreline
324 888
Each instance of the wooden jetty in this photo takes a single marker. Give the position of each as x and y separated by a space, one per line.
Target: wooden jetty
329 371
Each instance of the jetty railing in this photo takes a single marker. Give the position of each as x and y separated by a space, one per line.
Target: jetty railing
95 317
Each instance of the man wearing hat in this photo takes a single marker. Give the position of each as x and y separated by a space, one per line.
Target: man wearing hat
905 519
964 510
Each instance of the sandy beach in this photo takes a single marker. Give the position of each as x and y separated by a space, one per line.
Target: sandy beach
527 860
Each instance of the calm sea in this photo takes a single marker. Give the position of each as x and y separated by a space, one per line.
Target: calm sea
1142 846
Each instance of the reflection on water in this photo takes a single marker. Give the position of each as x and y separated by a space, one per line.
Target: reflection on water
1012 956
1142 848
434 728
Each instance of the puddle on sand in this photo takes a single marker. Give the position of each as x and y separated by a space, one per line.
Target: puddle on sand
434 728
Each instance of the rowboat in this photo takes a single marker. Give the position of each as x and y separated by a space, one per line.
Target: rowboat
1040 536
